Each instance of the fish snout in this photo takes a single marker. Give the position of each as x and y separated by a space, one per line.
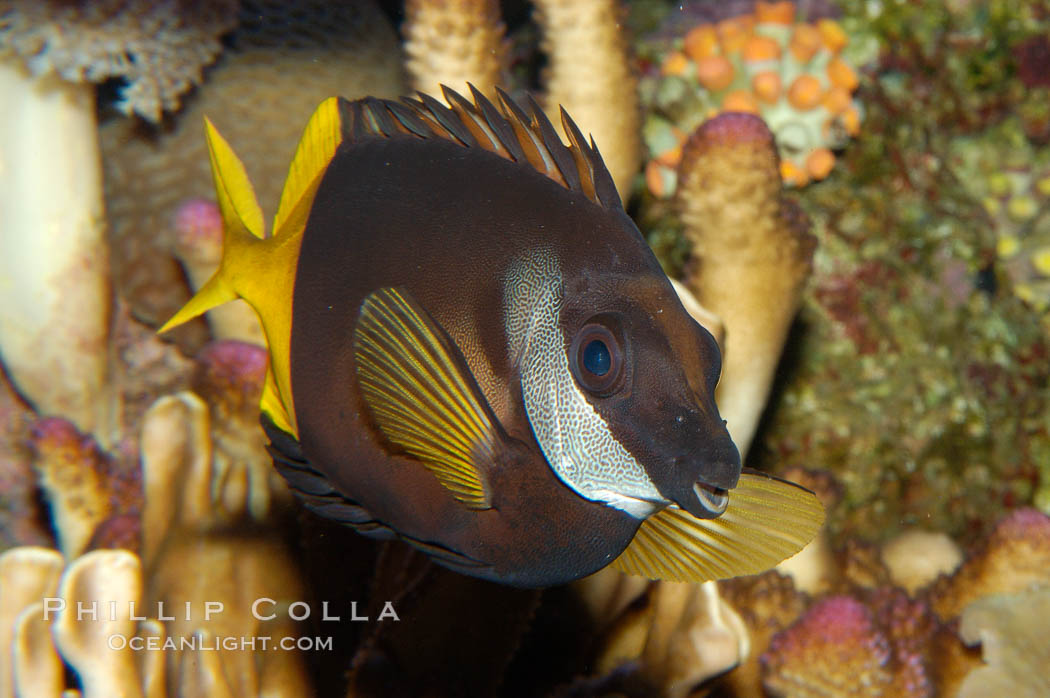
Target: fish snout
718 472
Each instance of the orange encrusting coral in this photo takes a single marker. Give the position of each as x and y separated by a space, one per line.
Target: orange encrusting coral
805 93
792 74
714 72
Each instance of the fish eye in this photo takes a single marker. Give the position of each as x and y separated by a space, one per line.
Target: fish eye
597 359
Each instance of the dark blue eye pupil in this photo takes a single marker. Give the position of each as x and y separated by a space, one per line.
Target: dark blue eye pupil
596 357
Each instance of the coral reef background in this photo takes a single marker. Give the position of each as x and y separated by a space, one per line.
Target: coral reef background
913 394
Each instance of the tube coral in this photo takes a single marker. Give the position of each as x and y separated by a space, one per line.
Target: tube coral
591 75
54 263
751 256
453 43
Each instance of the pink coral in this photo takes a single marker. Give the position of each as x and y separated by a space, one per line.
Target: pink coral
198 223
230 376
846 646
83 485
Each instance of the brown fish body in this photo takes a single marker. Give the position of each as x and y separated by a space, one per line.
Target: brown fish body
447 224
473 349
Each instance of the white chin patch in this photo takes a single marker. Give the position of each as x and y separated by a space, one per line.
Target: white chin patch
574 437
638 508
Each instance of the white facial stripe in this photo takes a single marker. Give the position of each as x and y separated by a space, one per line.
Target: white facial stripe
575 439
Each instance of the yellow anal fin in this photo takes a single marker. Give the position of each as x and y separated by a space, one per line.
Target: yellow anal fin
422 395
767 521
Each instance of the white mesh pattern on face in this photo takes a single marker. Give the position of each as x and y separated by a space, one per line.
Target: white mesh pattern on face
574 438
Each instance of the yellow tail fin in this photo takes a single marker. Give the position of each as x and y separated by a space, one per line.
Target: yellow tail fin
242 221
260 269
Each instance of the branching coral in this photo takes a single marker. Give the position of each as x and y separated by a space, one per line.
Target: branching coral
590 71
454 43
751 256
27 575
591 75
82 484
199 548
916 557
673 637
187 526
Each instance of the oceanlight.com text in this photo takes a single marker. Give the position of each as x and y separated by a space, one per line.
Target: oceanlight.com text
205 643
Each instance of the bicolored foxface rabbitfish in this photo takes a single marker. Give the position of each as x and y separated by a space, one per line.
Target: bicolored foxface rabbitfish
472 349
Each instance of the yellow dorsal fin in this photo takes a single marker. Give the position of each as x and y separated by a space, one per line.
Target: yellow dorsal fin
260 269
767 521
421 393
316 148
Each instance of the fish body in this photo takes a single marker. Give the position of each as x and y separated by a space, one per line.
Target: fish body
474 350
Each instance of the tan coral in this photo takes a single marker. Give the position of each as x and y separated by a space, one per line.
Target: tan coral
54 262
96 579
1015 556
751 256
229 378
1014 633
767 603
454 42
85 621
190 523
591 75
37 668
27 576
158 49
202 549
916 557
843 645
683 635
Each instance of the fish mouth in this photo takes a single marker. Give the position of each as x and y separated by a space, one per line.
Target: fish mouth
713 499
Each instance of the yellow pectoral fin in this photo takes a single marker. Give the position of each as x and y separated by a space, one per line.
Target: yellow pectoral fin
422 395
767 521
